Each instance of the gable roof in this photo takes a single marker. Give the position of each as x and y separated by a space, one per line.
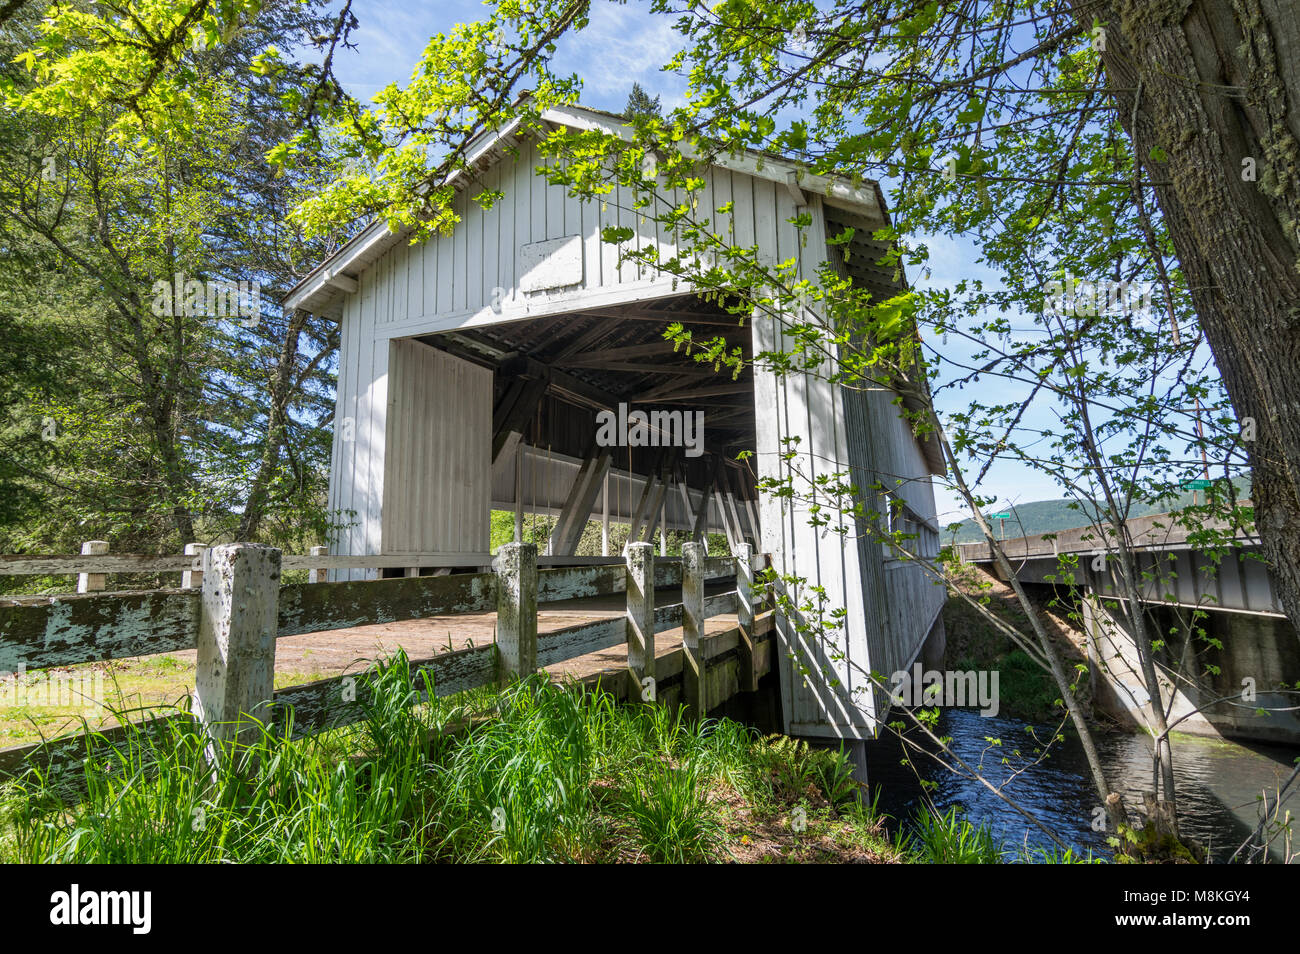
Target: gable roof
321 290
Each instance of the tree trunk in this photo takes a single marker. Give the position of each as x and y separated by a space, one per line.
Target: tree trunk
1214 83
277 426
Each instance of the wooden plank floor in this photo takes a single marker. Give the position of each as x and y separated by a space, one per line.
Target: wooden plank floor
351 650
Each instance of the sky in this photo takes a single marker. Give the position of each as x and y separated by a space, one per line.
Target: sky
624 44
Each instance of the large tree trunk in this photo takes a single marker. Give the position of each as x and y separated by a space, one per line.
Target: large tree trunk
1213 83
277 429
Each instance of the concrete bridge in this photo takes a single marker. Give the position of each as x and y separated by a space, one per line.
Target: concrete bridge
1223 630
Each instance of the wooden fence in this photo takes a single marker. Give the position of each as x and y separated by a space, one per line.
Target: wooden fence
94 563
238 609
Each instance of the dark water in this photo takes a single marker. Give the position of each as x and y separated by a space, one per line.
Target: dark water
1219 783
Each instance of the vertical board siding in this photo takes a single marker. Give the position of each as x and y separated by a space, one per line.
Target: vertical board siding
439 446
414 289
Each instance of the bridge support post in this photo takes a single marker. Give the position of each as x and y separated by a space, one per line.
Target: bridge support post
516 569
856 750
238 622
694 678
641 622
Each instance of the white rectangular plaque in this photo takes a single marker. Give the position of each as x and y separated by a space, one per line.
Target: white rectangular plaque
553 263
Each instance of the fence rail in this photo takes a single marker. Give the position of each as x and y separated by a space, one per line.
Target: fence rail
95 560
235 617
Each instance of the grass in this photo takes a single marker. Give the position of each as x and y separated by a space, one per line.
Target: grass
27 714
949 839
533 773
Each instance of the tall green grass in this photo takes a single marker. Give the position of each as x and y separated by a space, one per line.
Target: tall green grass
532 773
949 839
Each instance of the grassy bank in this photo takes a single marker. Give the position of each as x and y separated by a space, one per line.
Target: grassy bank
1026 691
534 773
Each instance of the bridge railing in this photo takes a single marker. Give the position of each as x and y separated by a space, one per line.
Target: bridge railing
1154 531
240 609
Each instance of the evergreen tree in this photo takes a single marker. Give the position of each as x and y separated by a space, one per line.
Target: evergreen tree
640 104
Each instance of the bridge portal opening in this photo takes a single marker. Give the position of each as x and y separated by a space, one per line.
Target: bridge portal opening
602 431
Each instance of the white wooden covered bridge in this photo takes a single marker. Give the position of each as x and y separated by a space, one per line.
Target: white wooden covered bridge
472 368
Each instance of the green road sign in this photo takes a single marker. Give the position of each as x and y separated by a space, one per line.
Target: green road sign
999 516
1197 485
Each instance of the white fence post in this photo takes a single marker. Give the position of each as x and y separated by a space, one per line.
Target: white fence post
193 578
516 569
694 676
236 646
90 582
641 622
319 574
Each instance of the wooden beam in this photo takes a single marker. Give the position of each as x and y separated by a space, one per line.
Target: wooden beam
656 511
577 506
732 477
641 367
745 618
516 411
675 392
730 519
792 186
584 342
697 319
634 527
574 360
702 517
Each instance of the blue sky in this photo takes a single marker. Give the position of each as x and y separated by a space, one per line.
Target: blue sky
625 44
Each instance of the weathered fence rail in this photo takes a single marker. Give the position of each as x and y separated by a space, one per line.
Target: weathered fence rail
234 619
96 561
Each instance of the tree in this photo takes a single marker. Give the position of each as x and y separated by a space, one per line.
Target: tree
1210 97
1061 144
640 103
167 423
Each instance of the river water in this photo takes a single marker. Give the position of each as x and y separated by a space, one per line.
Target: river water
1219 783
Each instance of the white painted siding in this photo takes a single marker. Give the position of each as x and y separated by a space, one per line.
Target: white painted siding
415 475
438 453
471 277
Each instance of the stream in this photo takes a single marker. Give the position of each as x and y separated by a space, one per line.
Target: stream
1219 783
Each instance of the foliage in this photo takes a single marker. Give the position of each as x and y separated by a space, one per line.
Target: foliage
532 773
949 839
140 415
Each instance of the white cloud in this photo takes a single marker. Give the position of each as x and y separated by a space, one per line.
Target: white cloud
621 45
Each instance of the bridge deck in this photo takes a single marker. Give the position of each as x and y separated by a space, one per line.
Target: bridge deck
164 678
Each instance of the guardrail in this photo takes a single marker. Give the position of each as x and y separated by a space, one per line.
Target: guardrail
1157 531
235 617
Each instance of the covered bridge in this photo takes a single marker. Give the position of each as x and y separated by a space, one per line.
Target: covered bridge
473 368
